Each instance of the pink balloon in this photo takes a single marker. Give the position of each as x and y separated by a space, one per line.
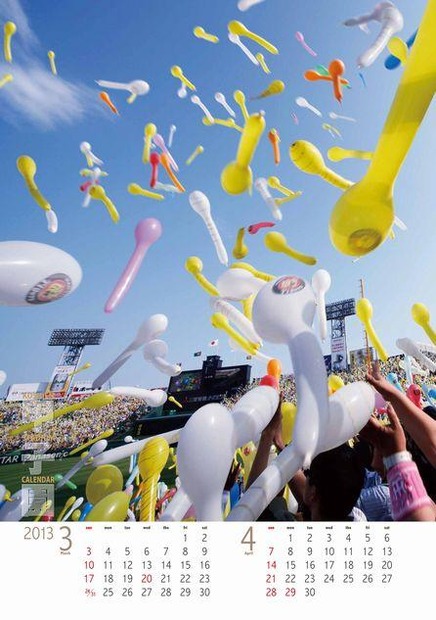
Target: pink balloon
414 394
380 402
146 233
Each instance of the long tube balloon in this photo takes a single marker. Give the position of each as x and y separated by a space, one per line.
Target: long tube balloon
237 177
150 329
283 313
86 458
9 29
201 205
125 451
209 440
147 232
234 315
103 435
364 314
362 218
391 20
96 401
194 266
153 398
308 158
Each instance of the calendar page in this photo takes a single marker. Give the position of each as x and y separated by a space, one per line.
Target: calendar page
218 344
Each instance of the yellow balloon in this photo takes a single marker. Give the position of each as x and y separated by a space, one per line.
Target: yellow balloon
113 507
364 314
198 151
240 249
194 266
8 77
51 57
96 401
337 153
240 30
258 274
97 192
220 321
334 383
177 72
104 480
289 413
276 242
308 158
27 168
200 33
237 177
239 98
75 515
137 190
261 60
421 316
363 216
150 130
247 454
399 49
275 88
9 30
151 461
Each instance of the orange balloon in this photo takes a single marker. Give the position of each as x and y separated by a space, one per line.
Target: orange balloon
274 368
105 97
274 138
166 164
336 70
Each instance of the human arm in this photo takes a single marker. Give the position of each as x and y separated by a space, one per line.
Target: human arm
420 426
271 435
409 498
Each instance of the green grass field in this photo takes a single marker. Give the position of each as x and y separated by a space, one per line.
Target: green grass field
13 477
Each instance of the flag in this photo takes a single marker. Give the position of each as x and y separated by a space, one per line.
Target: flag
213 343
197 353
249 357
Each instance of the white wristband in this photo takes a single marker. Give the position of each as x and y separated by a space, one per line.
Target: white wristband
394 459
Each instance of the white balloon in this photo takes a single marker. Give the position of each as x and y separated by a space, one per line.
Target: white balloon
32 273
201 205
3 377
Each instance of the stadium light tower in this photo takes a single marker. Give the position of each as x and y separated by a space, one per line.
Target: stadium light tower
74 341
336 313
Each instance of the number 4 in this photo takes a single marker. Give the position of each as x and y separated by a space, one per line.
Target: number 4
247 539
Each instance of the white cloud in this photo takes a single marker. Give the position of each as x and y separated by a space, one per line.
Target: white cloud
11 10
35 95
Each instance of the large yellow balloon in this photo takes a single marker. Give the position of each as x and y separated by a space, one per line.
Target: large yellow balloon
363 216
334 383
237 177
113 507
151 461
289 413
103 480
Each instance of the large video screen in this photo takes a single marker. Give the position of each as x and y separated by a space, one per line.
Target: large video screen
227 379
187 381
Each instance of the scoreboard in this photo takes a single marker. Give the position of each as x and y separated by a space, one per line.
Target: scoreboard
193 389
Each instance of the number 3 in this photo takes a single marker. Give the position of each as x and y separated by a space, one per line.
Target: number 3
67 538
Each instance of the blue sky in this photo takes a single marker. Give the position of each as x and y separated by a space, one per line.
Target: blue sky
141 39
